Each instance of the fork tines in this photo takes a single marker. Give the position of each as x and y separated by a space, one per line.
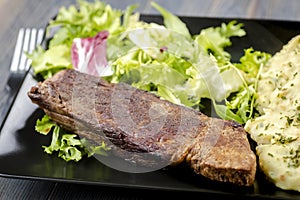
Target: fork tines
27 41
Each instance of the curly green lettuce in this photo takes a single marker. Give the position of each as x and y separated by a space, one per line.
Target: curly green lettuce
68 146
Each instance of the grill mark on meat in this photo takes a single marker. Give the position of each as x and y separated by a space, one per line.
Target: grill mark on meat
140 122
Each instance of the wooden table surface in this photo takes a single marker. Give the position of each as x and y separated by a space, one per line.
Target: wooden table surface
15 14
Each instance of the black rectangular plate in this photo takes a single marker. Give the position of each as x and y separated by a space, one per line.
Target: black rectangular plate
22 156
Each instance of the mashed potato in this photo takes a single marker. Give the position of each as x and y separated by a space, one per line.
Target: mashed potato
277 130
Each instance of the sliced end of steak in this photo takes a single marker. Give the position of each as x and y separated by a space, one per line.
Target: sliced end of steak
144 129
224 154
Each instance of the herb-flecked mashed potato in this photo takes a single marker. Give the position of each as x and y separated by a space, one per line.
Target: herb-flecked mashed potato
277 130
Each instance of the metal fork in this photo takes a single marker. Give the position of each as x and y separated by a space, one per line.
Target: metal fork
27 40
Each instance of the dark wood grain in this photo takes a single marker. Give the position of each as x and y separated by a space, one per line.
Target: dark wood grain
25 189
15 14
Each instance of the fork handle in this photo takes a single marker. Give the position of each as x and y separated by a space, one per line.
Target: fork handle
10 92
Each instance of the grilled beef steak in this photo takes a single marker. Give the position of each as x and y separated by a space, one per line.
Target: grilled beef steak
144 129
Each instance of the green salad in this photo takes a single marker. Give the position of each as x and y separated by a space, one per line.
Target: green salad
166 59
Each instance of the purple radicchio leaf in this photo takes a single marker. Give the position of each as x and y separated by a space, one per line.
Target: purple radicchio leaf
89 55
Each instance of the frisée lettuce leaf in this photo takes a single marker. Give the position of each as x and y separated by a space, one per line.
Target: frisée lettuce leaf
68 146
215 39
